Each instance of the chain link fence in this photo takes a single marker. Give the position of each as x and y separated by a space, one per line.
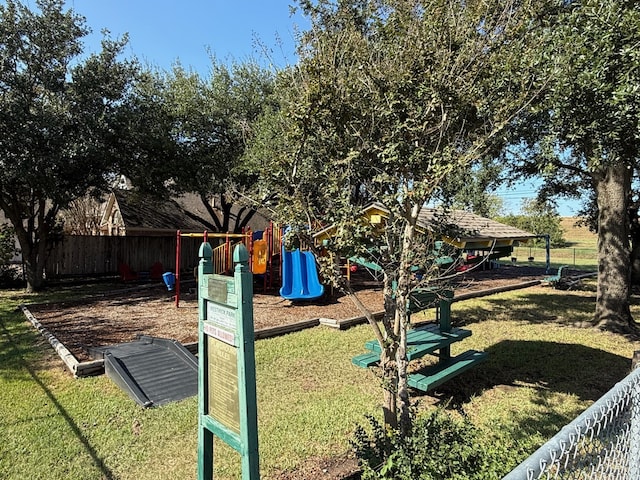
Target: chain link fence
581 258
602 443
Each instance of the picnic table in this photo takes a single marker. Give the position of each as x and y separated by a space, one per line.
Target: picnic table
429 339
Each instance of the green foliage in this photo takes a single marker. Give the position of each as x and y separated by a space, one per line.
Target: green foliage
207 124
469 190
62 120
588 118
7 243
8 276
389 99
539 218
439 446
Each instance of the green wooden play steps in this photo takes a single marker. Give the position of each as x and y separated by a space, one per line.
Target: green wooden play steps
432 339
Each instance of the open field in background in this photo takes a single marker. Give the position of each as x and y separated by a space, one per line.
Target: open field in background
581 251
578 236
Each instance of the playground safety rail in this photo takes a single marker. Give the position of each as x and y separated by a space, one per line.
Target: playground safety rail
602 443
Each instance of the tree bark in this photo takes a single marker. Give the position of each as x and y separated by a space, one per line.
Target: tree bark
402 322
389 385
388 344
634 235
32 237
612 313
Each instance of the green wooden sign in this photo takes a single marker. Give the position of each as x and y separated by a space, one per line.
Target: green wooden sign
227 375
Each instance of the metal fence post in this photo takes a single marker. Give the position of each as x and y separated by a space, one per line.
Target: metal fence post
634 433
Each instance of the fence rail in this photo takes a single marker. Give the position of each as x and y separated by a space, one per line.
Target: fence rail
602 443
78 255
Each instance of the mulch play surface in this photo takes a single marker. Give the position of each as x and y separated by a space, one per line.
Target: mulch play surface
123 314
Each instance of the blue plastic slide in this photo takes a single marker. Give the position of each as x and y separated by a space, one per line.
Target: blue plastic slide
300 276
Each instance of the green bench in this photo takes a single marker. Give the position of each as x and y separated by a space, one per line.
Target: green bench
425 340
443 371
432 339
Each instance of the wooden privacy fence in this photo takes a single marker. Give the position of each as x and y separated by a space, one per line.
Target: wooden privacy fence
78 255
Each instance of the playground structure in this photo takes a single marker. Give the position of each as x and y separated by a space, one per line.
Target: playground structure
486 242
263 248
269 261
481 242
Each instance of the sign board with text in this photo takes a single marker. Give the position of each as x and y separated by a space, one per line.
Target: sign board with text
227 381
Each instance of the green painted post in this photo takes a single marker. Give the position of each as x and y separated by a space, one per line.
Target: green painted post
444 320
444 310
227 407
205 436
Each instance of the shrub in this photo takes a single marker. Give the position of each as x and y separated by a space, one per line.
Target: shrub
439 447
8 274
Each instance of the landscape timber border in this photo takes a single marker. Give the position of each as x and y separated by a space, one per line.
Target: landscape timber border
96 367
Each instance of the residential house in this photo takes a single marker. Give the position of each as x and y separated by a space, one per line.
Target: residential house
129 213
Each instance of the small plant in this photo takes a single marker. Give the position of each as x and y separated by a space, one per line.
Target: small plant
439 447
8 275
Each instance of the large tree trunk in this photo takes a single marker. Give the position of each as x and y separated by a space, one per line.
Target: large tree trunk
33 236
34 256
34 272
612 313
634 235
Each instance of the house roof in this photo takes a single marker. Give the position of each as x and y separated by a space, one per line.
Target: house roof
472 231
145 213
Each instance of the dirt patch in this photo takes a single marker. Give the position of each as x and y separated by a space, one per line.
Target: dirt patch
343 467
121 316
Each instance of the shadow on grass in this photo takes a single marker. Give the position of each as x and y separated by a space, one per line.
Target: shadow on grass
548 368
570 309
573 369
14 352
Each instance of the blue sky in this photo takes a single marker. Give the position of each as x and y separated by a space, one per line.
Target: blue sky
528 190
162 32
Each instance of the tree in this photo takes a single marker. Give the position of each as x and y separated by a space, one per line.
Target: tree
211 123
82 216
57 120
584 135
470 191
539 218
389 98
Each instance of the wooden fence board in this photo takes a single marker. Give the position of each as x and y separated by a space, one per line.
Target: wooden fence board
83 255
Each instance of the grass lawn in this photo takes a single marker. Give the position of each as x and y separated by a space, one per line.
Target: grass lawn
542 371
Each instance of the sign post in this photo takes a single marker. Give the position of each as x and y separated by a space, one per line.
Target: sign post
227 406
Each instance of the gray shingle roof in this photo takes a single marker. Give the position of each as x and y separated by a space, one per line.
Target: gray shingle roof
463 229
472 227
145 212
